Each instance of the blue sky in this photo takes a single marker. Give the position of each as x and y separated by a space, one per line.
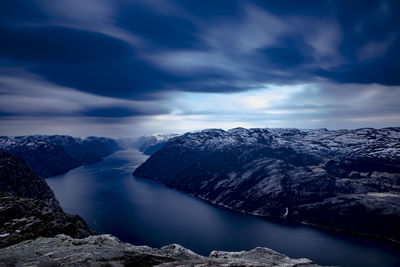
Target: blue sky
128 68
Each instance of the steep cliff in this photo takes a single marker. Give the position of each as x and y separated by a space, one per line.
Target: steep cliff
28 207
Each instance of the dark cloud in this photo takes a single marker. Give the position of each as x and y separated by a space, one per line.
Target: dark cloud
59 45
382 68
118 112
284 57
130 78
293 7
4 114
18 12
242 42
214 9
161 31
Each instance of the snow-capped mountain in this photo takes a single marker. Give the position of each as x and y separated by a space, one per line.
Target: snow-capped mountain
343 179
365 142
56 154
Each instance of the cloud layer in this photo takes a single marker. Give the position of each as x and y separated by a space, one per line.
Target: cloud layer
162 66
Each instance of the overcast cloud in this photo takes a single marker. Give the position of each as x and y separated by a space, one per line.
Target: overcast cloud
128 68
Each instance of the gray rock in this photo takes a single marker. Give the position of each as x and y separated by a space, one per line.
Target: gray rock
107 250
26 218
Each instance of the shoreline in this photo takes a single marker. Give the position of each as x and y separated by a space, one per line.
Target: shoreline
284 220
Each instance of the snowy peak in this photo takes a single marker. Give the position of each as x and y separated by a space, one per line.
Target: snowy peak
365 142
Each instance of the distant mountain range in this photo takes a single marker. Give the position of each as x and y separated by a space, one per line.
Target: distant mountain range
347 180
148 144
51 155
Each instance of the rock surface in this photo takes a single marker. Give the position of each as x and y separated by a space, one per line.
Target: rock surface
347 180
50 155
17 178
28 207
25 218
107 250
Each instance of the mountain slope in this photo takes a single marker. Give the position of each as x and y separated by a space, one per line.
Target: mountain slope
18 179
57 154
28 207
304 175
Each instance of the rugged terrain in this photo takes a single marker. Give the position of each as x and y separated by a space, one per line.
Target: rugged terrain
107 250
34 231
347 180
17 178
57 154
28 207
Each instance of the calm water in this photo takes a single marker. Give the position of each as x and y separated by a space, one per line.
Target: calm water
142 211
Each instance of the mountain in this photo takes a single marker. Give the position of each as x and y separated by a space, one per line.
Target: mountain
148 144
57 154
346 180
28 207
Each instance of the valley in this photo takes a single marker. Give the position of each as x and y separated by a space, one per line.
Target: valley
145 212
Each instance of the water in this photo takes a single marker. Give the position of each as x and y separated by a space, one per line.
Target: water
145 212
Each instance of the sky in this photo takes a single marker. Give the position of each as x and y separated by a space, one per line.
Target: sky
124 68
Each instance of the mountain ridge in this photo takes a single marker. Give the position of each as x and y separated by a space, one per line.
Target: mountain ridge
291 174
51 155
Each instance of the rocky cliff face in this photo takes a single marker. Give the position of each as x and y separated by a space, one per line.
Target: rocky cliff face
18 179
106 250
346 180
57 154
26 218
28 207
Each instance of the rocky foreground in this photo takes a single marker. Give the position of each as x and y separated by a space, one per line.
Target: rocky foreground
26 218
346 180
107 250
